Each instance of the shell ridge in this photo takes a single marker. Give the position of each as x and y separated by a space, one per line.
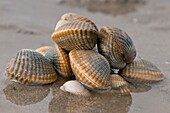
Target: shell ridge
139 71
27 69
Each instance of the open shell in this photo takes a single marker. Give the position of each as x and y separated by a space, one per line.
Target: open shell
91 69
141 71
60 60
75 87
31 67
116 46
76 35
43 50
119 83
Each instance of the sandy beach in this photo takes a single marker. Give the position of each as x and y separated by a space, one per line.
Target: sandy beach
29 24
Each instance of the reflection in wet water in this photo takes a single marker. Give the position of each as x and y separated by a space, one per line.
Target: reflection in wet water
139 88
64 102
25 95
96 103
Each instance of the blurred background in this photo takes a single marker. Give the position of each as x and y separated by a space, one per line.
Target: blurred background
29 24
113 7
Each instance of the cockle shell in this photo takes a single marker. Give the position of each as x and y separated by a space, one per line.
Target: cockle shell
77 17
141 71
75 87
70 17
43 50
76 35
91 69
60 60
119 83
60 23
116 46
31 67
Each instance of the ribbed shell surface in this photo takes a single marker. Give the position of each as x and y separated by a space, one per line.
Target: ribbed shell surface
83 19
30 67
60 60
60 23
91 69
76 35
76 17
116 46
141 71
43 50
119 83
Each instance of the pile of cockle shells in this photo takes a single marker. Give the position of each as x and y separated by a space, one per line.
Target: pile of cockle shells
112 66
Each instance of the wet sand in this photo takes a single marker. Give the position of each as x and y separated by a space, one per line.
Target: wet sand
29 24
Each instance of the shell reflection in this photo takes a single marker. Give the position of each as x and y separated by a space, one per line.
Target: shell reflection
97 102
137 88
23 95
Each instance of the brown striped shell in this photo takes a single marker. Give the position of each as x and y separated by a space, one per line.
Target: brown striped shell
76 17
76 35
141 71
91 69
119 83
116 46
43 50
30 67
60 60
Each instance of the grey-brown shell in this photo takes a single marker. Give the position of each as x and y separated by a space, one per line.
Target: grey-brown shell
91 69
60 60
116 46
76 17
119 83
60 23
31 67
141 71
76 35
43 50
